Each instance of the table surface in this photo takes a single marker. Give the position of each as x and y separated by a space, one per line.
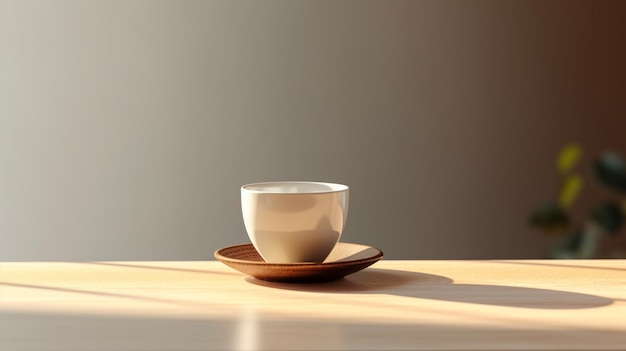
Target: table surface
392 305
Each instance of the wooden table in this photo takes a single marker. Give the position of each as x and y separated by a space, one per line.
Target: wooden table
449 305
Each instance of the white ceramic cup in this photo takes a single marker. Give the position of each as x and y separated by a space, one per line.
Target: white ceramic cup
290 222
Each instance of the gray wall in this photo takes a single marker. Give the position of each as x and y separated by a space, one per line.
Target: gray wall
127 127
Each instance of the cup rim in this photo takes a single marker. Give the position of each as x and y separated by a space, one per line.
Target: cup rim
335 187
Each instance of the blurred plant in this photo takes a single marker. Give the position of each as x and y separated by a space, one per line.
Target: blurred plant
606 219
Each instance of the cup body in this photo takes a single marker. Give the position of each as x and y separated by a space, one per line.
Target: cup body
290 222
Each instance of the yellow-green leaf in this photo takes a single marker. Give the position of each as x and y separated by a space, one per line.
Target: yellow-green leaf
569 157
572 187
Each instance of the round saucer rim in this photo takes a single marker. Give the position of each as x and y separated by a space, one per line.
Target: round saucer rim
221 257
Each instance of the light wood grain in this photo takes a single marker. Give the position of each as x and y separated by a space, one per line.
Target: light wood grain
450 305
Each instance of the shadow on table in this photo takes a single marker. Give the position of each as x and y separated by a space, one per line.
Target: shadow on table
436 287
561 263
157 268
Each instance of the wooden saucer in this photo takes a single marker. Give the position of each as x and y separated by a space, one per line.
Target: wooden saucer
346 258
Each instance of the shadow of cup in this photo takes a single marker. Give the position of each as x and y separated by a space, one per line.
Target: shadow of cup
436 287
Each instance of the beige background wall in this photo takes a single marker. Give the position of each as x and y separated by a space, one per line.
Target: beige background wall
127 127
